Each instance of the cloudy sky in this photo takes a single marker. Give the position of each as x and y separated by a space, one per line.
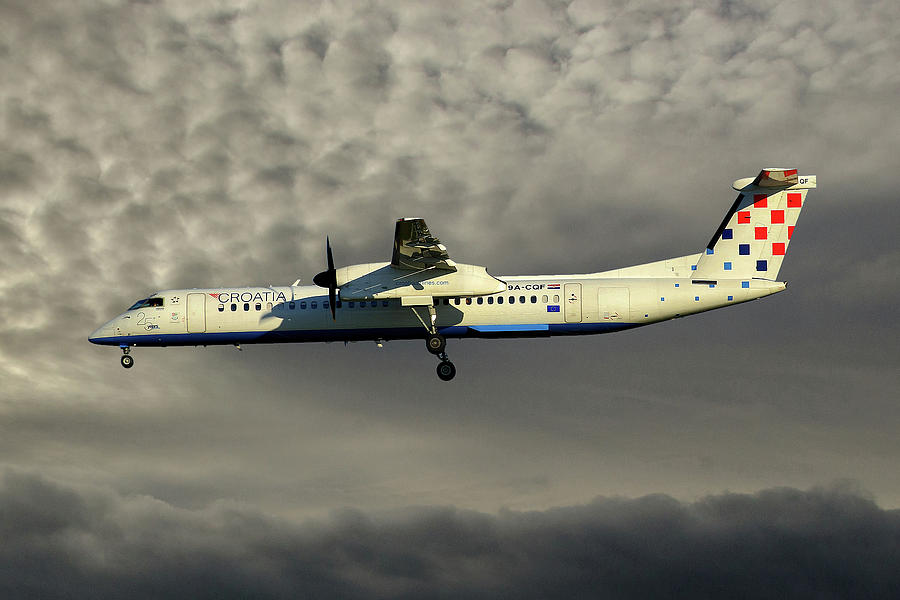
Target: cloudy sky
154 145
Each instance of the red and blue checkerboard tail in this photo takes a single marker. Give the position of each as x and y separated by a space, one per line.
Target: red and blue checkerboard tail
753 238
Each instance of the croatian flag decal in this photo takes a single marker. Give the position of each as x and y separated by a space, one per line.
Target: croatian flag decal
552 286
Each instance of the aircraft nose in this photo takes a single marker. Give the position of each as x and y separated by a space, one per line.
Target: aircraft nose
104 331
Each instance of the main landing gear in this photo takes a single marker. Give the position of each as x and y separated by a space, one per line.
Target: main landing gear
436 344
127 360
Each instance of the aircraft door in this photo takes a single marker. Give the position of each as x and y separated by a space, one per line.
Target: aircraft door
573 302
196 313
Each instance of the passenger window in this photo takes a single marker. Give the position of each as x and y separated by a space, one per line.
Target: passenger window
258 306
268 306
339 303
499 299
456 301
233 307
480 300
544 298
490 299
534 299
351 304
292 305
246 306
314 304
221 308
468 301
512 299
384 302
522 299
325 304
555 298
303 306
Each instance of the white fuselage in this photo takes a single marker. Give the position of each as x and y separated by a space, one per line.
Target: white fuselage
530 307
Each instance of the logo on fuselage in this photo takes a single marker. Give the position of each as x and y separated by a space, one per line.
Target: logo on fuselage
266 296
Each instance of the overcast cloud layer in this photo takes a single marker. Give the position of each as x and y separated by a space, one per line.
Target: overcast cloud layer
779 543
154 145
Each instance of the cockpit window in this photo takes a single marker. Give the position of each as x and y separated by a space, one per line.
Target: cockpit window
147 303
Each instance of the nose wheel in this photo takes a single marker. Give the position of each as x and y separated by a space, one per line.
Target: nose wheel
127 360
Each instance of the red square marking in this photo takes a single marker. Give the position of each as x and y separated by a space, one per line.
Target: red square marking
760 232
790 231
777 216
778 249
744 217
760 201
795 199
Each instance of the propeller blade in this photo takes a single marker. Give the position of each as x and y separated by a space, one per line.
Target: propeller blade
328 254
332 298
328 279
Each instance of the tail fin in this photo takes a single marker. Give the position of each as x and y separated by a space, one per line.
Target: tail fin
753 237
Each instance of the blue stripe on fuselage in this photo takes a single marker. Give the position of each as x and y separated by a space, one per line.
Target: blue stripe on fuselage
339 335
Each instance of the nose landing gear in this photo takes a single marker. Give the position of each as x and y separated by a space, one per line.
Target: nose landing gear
127 360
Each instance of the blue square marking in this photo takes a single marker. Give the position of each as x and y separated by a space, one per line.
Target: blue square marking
662 299
730 298
727 266
712 285
728 234
693 267
710 251
762 265
677 284
696 298
744 249
745 284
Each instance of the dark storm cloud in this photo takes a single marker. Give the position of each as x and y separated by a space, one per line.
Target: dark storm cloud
786 543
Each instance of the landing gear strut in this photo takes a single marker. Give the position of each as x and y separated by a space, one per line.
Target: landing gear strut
127 360
437 344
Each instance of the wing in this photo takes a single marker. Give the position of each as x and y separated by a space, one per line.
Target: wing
416 249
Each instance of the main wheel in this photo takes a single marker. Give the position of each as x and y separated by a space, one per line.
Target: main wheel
436 343
446 370
127 361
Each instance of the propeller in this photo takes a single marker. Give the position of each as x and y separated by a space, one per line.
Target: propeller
328 279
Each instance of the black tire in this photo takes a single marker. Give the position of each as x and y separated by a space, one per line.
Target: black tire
436 343
127 361
446 370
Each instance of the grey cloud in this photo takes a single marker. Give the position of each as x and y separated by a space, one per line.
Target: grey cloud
783 542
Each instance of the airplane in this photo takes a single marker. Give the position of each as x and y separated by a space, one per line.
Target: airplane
423 293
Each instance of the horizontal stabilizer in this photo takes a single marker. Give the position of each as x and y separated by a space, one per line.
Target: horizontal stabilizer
777 179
